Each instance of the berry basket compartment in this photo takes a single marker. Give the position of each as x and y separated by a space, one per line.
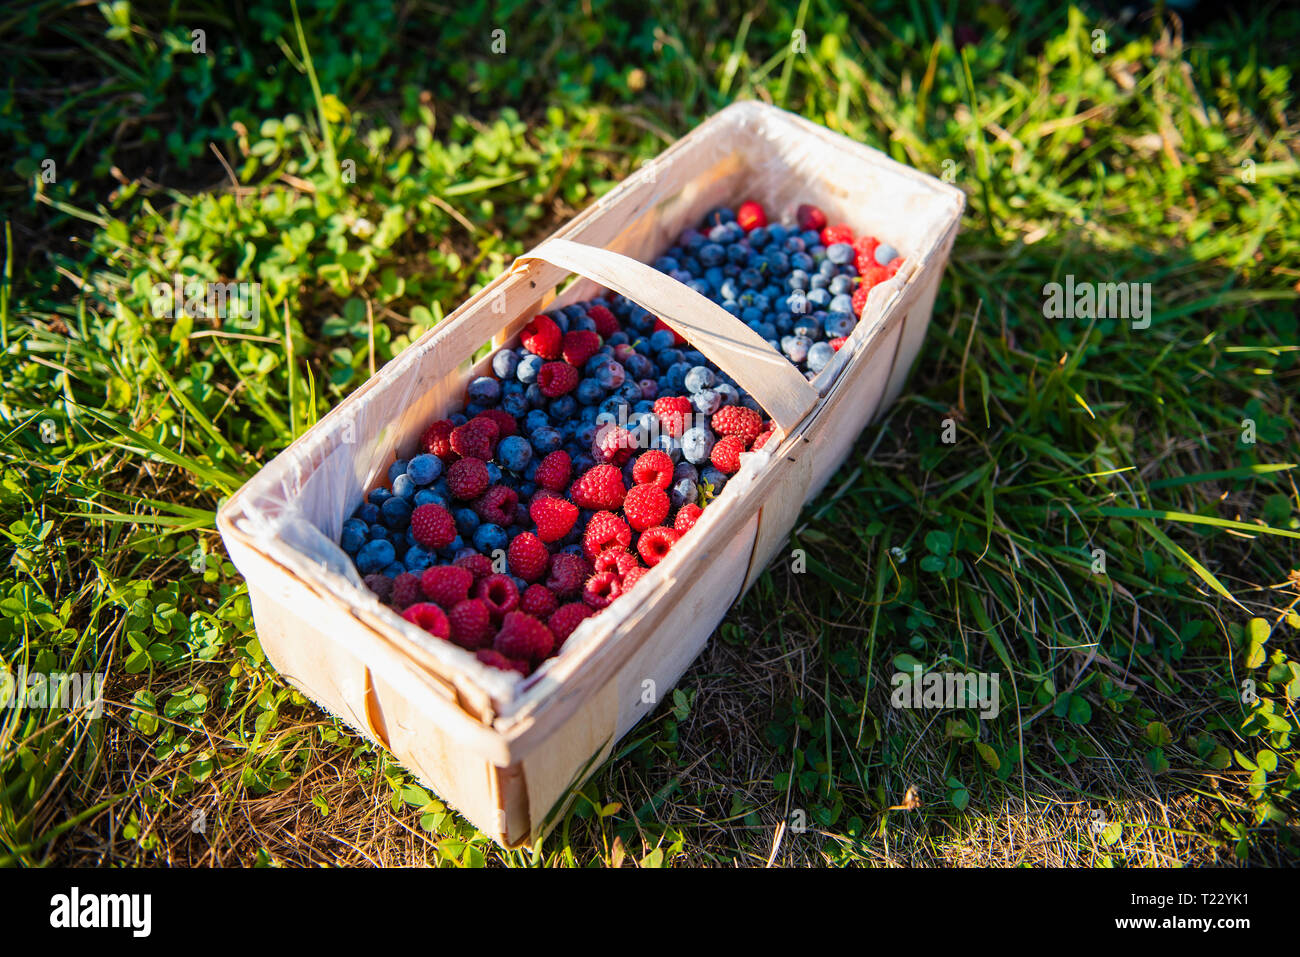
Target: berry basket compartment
507 751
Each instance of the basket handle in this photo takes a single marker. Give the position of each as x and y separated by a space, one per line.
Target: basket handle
739 351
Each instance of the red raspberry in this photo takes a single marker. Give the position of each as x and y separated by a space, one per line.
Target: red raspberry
565 619
505 422
557 378
860 298
895 265
437 439
477 439
739 421
617 560
432 525
686 518
471 624
601 487
497 505
429 617
645 506
751 215
633 576
726 454
528 557
499 593
554 470
381 585
601 589
606 322
542 337
865 248
653 468
553 516
467 479
678 341
480 566
836 234
568 571
874 276
605 530
494 659
579 346
762 439
406 590
445 585
674 412
538 601
810 217
654 544
523 637
612 444
838 342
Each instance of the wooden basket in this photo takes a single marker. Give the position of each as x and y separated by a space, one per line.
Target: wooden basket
508 751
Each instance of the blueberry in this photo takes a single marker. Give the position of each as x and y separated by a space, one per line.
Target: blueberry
375 555
711 476
378 496
589 392
841 303
819 355
698 378
839 253
514 453
457 420
354 535
706 401
528 367
504 364
683 492
796 347
809 326
840 285
515 403
484 390
728 393
686 470
428 497
396 469
467 521
489 537
536 419
611 374
885 254
839 324
396 512
819 298
393 570
493 471
403 487
697 443
418 558
545 440
424 469
367 513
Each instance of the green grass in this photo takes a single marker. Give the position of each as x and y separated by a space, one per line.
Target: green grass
1148 712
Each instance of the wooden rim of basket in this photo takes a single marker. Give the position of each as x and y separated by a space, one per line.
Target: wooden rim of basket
780 388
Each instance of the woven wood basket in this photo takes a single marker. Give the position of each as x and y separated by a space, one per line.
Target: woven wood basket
508 751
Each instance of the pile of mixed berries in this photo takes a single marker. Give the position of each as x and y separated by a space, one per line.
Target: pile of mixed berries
597 443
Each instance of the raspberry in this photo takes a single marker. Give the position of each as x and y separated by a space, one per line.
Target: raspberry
686 518
838 342
505 422
476 439
467 479
633 576
762 439
673 412
524 637
895 266
865 249
606 323
553 516
538 601
751 215
654 544
471 624
605 530
445 585
406 590
528 557
567 574
437 439
554 470
494 659
810 217
579 346
429 617
497 505
726 454
678 341
860 299
381 585
739 421
617 560
557 378
874 275
480 566
601 487
565 619
837 234
432 525
499 593
542 337
645 506
613 444
601 589
654 468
